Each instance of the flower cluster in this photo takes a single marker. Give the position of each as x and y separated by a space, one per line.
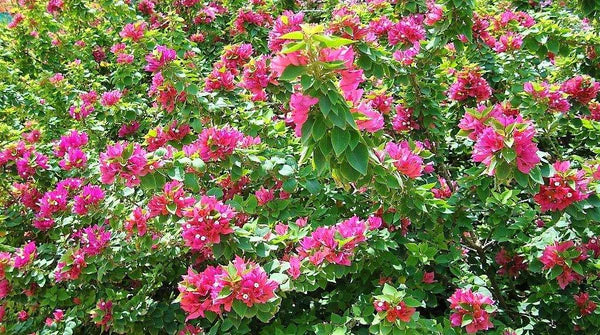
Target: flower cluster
564 188
110 98
300 105
27 194
92 241
403 120
510 265
584 304
102 315
564 255
256 77
470 84
86 107
24 256
133 31
216 288
159 58
286 23
124 160
508 132
26 159
395 312
57 200
503 27
205 222
90 196
249 17
159 136
69 149
472 310
214 144
407 34
165 93
137 221
333 244
581 88
172 200
444 191
550 95
233 58
406 160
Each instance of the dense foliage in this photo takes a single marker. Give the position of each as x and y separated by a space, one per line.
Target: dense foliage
293 167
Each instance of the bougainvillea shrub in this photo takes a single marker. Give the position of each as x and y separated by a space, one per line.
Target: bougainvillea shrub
300 167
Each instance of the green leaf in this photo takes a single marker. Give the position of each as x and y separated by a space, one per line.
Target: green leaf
389 290
553 46
172 208
240 308
264 316
294 35
324 105
536 175
191 182
411 302
359 158
319 129
192 89
555 272
466 320
286 170
312 186
291 72
333 42
339 139
509 154
291 47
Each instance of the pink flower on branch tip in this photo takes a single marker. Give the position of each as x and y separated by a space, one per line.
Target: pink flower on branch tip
476 306
300 105
405 159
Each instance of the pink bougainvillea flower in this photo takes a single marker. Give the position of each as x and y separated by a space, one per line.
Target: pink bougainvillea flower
470 83
294 270
90 196
476 305
300 105
403 120
25 255
488 143
264 196
526 149
581 88
94 240
112 165
110 98
428 278
369 120
245 281
324 245
554 255
399 312
158 58
510 265
584 304
133 31
281 61
103 312
215 144
256 78
286 23
206 222
564 188
405 159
